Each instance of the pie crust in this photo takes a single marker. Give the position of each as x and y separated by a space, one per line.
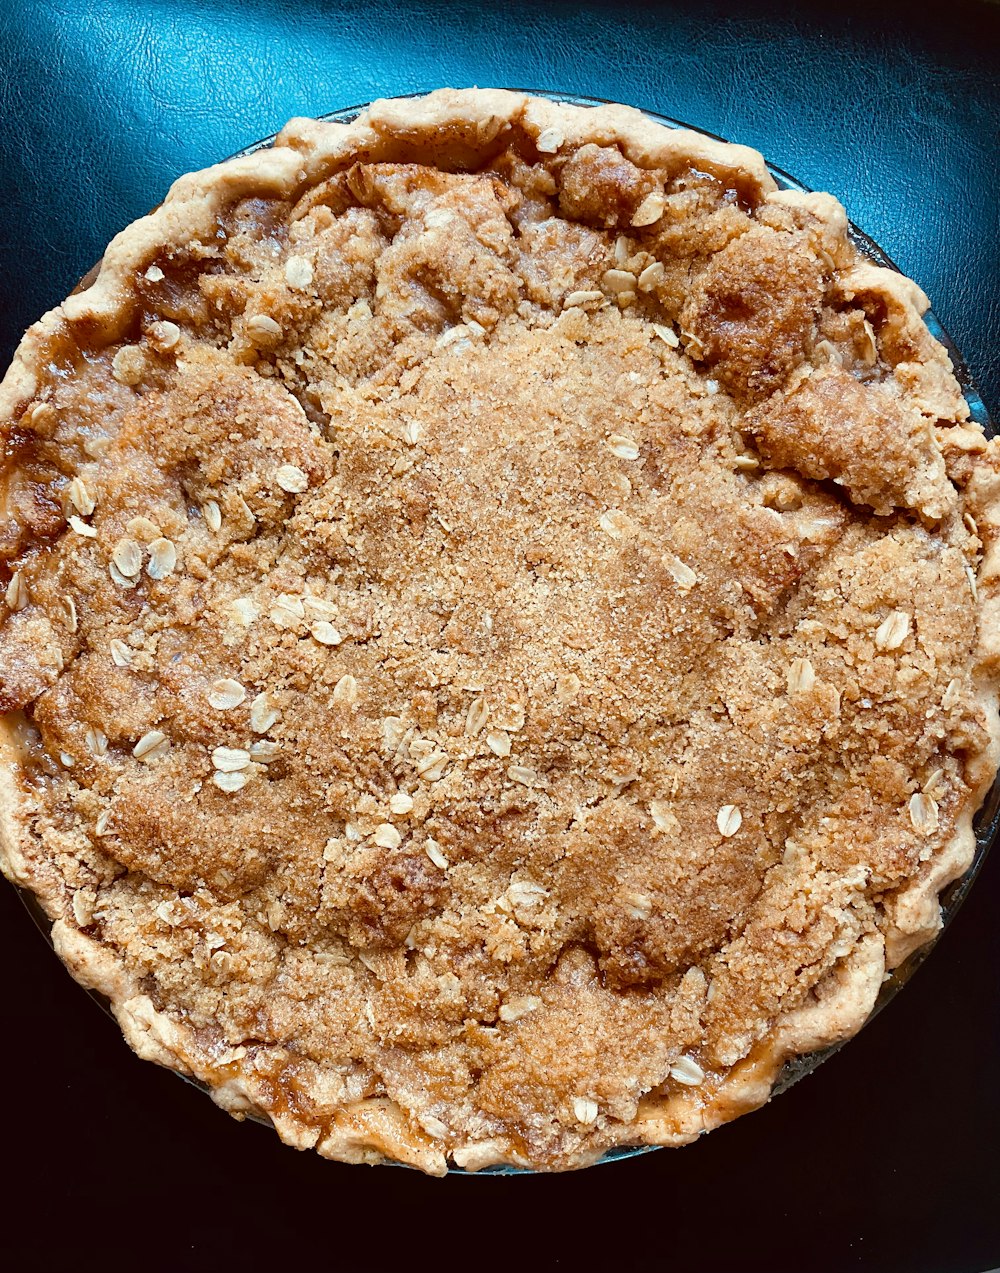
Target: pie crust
500 646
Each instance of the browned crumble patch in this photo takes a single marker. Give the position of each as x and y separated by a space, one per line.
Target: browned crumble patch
497 652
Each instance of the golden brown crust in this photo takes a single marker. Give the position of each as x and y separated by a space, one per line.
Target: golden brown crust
518 593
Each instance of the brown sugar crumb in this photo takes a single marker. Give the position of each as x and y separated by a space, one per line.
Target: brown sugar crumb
881 450
599 185
503 669
752 312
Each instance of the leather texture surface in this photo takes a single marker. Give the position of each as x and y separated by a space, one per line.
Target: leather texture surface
885 1159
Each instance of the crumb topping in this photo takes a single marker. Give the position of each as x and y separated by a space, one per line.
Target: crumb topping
489 644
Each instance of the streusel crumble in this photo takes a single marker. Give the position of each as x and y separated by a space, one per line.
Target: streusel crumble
500 630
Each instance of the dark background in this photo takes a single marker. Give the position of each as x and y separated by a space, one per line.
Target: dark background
886 1159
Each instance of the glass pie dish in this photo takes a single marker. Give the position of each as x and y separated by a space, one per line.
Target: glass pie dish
986 823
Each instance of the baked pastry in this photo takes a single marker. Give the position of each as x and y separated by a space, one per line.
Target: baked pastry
500 641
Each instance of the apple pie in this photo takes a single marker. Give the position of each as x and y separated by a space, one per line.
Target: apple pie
501 632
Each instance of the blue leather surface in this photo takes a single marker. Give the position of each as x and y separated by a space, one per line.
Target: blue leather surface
885 1159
